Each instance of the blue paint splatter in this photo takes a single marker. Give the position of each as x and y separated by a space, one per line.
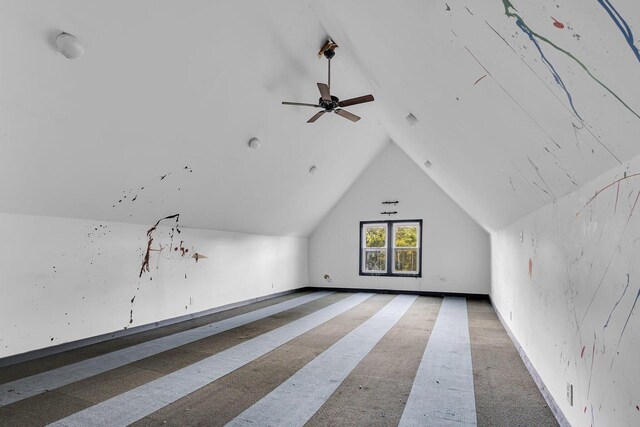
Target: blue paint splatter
622 25
628 317
555 74
617 302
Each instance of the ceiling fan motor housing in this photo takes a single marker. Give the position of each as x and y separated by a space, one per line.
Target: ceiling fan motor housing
329 105
329 53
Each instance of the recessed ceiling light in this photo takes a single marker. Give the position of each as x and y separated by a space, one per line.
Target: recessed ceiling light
255 143
313 170
69 45
412 120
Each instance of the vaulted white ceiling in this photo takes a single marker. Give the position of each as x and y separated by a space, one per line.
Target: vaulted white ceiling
517 104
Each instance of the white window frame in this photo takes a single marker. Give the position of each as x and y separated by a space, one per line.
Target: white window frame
384 248
394 227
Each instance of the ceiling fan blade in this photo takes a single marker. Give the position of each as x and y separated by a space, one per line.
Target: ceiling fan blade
324 92
354 101
300 103
316 116
347 115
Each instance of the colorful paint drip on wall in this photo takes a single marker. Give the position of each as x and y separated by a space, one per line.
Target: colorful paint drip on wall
557 23
145 259
622 26
511 12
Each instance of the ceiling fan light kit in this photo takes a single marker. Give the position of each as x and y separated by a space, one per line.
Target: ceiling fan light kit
328 102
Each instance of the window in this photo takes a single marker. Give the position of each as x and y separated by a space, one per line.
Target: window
391 248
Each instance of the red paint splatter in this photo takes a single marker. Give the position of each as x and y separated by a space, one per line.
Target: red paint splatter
557 23
582 352
530 267
604 188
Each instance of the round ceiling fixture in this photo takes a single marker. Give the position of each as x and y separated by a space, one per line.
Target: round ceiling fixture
254 143
69 45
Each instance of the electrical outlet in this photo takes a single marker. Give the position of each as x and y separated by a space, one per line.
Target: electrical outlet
190 300
510 315
570 393
521 236
272 286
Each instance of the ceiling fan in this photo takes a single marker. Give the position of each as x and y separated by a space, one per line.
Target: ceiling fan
328 102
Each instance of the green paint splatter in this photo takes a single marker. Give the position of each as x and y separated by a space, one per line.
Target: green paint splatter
511 12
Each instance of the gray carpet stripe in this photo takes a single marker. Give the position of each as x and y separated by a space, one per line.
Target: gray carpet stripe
295 401
36 384
135 404
442 392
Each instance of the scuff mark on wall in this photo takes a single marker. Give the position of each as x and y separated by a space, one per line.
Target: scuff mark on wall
530 267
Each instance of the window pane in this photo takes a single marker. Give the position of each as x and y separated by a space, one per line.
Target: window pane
406 236
406 260
375 260
376 236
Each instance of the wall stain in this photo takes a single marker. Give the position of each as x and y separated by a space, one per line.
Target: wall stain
198 256
145 260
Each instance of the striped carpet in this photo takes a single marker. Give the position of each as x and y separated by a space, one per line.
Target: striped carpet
309 358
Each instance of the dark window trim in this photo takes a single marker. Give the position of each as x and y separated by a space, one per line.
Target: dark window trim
390 272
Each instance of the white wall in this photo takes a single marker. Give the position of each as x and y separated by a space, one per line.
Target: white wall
574 315
456 250
67 279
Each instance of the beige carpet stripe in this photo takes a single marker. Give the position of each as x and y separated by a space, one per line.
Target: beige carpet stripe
297 399
376 391
505 392
49 380
135 404
221 401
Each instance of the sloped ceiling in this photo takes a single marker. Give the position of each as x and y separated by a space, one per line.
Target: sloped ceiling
517 105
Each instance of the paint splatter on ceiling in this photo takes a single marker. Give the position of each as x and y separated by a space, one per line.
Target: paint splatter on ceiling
519 103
